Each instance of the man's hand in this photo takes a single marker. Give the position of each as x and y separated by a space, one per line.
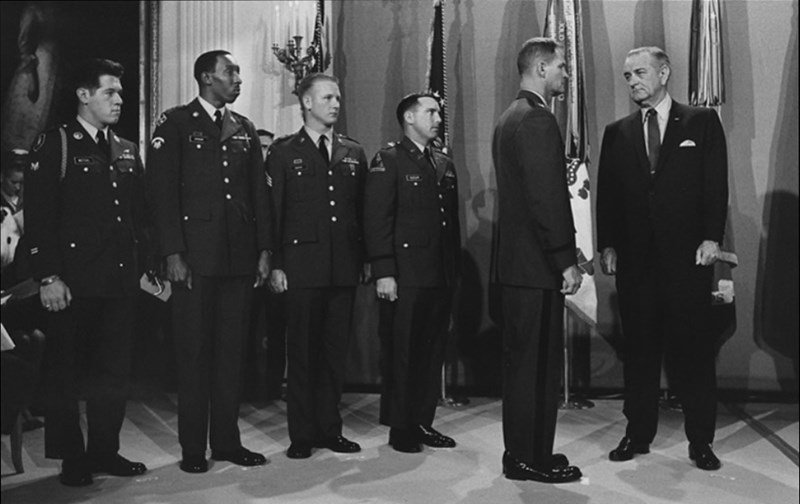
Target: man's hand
572 280
278 282
386 288
707 253
262 271
608 261
178 271
55 296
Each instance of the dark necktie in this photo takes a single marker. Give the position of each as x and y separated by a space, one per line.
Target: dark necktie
323 151
218 119
103 144
653 139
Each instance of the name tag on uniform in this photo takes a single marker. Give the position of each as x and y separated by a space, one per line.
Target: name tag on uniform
198 137
413 178
297 161
84 160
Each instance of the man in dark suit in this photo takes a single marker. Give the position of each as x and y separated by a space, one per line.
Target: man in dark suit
208 192
413 241
662 199
534 262
85 213
316 178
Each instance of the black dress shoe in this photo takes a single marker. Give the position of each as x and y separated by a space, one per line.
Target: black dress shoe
116 465
433 438
626 449
339 444
75 473
299 451
559 460
515 470
704 457
194 464
403 440
242 457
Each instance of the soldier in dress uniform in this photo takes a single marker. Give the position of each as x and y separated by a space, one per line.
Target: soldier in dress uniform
413 241
208 190
317 177
85 214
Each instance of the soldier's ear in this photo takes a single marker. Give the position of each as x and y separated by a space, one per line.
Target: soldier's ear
83 94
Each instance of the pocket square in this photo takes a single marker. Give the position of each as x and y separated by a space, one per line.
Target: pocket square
688 143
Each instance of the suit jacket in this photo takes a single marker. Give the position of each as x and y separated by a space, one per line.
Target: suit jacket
534 239
684 203
208 191
411 223
84 223
317 210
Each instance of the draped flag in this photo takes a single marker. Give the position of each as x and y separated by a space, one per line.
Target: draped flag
437 68
706 87
564 24
320 41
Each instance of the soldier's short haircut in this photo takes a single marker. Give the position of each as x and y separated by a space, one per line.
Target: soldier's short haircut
543 48
659 56
87 73
207 62
309 81
410 102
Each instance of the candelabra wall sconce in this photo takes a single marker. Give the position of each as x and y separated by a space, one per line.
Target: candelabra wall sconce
295 61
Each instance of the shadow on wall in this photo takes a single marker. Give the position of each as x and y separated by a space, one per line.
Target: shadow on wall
480 348
648 22
340 61
520 17
777 286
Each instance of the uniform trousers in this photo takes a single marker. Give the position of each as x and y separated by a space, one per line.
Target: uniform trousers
413 332
87 343
532 346
211 322
665 314
318 324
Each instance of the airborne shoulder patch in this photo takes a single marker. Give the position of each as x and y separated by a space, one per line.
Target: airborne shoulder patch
157 142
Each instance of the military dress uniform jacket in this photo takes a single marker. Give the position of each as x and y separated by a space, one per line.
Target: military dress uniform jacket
534 241
411 226
208 191
317 210
84 222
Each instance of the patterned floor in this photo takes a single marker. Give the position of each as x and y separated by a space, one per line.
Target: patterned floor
758 445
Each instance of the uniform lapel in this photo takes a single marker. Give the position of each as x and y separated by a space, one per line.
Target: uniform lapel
672 136
80 134
416 154
202 122
636 133
339 150
115 145
305 145
230 126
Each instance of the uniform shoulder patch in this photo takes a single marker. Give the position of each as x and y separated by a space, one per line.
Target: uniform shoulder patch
377 164
157 142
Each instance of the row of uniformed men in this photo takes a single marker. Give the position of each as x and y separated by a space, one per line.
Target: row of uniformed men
319 222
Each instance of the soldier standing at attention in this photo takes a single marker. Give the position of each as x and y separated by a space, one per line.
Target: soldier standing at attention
317 179
413 241
208 191
85 212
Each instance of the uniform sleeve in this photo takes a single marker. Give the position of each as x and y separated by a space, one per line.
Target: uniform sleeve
380 206
260 195
609 200
715 179
544 180
42 200
163 182
276 177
